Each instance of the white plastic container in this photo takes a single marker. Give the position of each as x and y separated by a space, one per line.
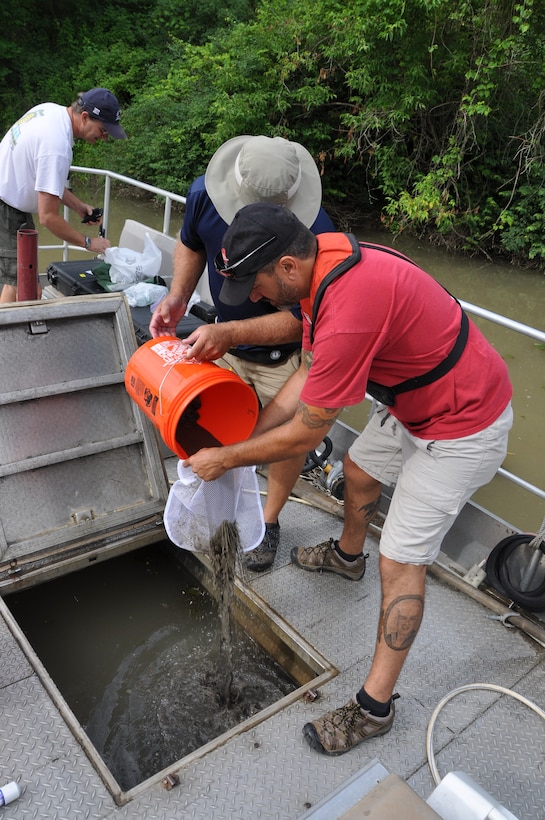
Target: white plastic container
458 797
9 793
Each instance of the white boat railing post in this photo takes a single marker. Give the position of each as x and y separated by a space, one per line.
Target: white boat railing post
166 215
106 215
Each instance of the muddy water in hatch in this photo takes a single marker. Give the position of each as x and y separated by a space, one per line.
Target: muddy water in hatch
134 644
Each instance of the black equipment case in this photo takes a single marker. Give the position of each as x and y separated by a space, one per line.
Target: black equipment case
76 278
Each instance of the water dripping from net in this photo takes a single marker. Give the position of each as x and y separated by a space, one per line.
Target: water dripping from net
224 545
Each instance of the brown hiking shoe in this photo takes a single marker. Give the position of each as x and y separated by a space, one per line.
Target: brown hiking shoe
262 557
325 558
341 730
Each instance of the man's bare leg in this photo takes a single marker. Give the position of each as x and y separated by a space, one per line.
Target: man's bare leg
372 712
282 476
9 294
402 608
361 503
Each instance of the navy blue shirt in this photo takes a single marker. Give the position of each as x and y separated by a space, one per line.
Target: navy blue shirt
203 229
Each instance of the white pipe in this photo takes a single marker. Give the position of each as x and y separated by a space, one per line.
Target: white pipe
470 686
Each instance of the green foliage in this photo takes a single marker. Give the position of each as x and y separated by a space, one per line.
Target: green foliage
193 22
431 200
427 113
33 68
522 224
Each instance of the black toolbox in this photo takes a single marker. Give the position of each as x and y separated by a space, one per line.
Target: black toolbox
76 278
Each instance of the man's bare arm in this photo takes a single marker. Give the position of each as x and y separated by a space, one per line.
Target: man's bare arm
210 342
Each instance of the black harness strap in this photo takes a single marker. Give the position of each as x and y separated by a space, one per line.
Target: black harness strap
333 274
386 395
380 392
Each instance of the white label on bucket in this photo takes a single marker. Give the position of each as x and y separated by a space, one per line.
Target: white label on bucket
172 352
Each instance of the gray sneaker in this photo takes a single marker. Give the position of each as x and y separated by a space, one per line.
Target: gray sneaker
341 730
263 556
325 558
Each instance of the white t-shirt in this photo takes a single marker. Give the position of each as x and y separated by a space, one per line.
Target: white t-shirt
35 155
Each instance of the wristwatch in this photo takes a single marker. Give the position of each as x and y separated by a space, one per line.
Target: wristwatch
88 241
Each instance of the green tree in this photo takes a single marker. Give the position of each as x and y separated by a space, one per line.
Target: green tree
39 46
426 113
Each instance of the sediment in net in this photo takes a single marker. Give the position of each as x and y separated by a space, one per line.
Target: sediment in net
224 545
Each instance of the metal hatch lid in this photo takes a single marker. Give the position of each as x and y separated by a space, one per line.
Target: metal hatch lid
80 466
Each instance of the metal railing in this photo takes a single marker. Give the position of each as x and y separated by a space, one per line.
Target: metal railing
109 176
525 330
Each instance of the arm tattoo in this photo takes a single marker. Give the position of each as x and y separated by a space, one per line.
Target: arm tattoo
306 356
400 622
316 417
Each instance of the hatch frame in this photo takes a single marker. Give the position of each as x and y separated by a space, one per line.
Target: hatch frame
111 484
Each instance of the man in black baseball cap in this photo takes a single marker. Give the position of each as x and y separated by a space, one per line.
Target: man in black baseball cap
259 234
373 322
103 106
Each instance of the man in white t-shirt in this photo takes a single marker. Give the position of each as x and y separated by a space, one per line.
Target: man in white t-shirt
35 159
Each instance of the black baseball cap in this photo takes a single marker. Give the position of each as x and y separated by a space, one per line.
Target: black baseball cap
102 105
258 234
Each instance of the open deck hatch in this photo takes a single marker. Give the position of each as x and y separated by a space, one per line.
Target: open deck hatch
83 481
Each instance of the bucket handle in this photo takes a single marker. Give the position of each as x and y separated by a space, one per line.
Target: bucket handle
165 377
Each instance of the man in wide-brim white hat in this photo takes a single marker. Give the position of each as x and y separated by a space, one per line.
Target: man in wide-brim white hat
264 169
261 344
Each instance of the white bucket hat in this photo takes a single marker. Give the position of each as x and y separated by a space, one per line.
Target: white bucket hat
249 169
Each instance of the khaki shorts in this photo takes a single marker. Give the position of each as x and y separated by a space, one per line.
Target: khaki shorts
11 220
433 480
266 379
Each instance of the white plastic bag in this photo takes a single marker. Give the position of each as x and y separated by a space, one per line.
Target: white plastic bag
194 298
195 509
128 266
145 293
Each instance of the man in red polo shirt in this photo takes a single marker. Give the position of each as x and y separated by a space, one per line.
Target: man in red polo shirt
373 320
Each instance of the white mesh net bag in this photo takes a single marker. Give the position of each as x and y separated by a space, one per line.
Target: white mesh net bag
195 508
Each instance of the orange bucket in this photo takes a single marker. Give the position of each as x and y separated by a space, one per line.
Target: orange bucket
192 405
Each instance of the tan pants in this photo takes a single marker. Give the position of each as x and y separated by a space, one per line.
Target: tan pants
266 379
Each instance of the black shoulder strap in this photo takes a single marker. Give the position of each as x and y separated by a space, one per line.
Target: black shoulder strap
443 367
345 265
387 394
333 274
391 251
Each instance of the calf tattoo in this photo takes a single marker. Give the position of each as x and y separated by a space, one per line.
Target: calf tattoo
370 509
400 622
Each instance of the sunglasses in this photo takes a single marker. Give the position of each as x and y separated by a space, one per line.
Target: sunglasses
230 271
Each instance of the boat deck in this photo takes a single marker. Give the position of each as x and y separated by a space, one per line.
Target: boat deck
269 771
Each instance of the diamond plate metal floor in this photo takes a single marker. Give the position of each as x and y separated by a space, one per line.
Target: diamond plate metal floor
269 771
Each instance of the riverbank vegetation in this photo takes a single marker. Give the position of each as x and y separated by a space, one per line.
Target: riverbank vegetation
427 115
